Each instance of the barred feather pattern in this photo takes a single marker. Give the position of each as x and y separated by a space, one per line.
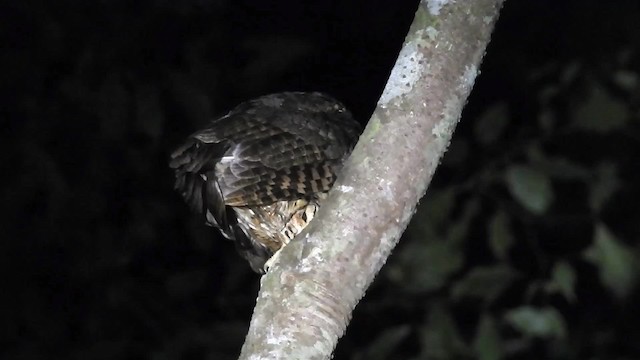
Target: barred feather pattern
260 172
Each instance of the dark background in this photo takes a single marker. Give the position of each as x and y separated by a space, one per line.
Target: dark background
525 247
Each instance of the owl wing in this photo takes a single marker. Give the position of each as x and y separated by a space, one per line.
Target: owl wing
278 147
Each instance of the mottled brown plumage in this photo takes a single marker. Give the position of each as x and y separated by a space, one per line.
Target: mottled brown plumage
260 172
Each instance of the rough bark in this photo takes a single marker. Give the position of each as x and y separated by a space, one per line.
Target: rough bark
306 299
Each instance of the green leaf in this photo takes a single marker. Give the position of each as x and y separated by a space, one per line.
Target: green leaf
459 230
570 73
491 124
435 209
409 271
563 281
530 187
564 169
384 346
544 322
485 283
617 263
628 80
439 336
605 184
437 242
546 119
487 343
500 236
601 112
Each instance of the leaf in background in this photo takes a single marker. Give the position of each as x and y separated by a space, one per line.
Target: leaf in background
435 209
601 112
491 123
530 187
484 282
570 72
432 244
627 80
384 345
409 268
616 261
563 281
458 231
439 336
605 184
544 322
546 120
557 167
487 343
500 236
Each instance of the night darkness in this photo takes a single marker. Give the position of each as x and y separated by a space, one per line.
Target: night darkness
525 247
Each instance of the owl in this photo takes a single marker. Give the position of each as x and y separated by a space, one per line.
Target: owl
260 173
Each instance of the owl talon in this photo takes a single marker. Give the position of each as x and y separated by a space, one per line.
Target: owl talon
272 260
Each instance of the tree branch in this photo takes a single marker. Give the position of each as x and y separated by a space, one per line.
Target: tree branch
306 299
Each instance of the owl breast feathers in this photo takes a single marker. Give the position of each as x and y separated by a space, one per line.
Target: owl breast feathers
260 173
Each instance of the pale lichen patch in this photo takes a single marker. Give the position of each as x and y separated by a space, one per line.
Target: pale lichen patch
443 129
345 188
434 6
469 77
309 262
404 75
431 33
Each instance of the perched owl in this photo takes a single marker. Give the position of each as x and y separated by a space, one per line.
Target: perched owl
260 173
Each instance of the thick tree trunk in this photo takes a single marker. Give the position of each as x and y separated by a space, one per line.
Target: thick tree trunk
306 299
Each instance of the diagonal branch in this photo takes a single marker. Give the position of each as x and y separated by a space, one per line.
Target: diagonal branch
306 299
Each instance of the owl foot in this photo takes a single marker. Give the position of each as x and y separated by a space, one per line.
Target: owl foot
272 260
